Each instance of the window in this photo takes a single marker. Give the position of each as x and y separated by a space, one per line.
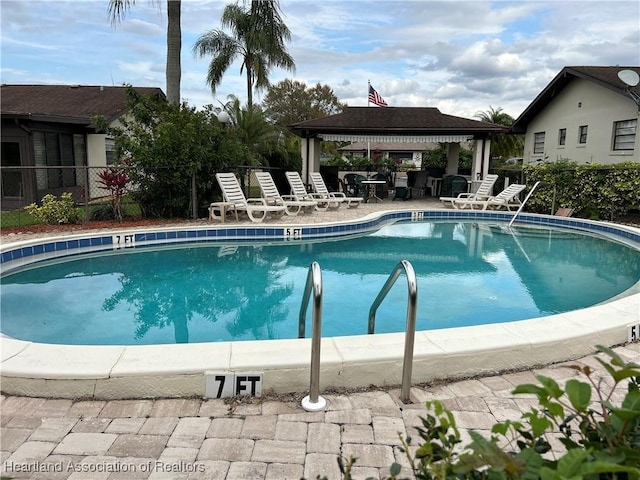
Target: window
538 143
53 149
624 134
562 136
110 150
11 177
582 134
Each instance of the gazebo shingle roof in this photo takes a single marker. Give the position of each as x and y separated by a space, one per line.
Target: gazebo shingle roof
394 120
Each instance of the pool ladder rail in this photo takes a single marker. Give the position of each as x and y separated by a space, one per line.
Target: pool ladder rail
314 402
513 219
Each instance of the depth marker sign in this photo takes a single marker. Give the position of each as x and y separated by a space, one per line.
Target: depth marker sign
228 384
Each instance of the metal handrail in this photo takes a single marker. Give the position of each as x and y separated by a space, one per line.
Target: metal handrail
313 402
410 333
523 203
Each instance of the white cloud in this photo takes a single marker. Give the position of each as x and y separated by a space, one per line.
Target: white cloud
459 56
135 26
488 59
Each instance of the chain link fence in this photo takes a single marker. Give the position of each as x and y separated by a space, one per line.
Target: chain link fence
103 193
99 191
93 191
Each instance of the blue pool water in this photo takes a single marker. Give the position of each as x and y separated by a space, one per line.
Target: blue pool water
468 274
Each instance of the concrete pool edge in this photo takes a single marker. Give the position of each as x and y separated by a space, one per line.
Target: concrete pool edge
114 372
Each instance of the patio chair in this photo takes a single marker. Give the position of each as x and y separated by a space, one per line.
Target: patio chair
485 190
382 190
353 185
293 204
299 190
507 198
564 212
256 208
335 198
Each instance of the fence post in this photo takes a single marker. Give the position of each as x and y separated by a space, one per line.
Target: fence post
87 194
194 198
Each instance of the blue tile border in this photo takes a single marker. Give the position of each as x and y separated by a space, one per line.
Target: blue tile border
21 255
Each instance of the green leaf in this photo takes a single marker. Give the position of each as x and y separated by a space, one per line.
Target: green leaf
579 394
555 409
503 428
570 464
616 359
624 414
628 370
550 386
632 401
395 468
532 463
598 467
548 474
424 450
528 388
539 425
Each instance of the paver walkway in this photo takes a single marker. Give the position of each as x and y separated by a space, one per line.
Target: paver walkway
269 438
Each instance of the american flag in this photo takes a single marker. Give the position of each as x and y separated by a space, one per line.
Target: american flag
374 97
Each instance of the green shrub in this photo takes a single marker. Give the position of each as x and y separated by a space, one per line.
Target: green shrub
594 191
602 440
104 212
54 211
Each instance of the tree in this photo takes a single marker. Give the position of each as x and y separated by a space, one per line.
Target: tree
117 11
291 101
168 146
257 35
264 143
503 145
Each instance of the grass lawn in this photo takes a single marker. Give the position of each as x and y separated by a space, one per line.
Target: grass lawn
17 218
21 218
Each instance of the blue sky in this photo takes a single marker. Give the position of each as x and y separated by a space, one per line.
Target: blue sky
459 56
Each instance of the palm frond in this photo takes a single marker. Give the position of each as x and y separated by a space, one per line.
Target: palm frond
118 9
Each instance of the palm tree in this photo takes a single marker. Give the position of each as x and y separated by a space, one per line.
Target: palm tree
502 145
257 35
260 138
117 12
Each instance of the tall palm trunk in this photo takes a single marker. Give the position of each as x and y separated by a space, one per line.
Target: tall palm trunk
249 88
174 46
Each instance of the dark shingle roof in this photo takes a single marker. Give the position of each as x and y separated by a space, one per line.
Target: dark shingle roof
607 77
77 103
393 120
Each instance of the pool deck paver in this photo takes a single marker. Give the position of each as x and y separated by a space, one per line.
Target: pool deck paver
268 438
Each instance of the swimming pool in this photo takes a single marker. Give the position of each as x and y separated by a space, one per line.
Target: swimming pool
469 273
74 371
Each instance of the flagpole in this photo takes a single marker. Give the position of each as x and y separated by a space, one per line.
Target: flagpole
368 142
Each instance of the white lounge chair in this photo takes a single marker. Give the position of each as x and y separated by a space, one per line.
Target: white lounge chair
293 204
299 190
335 198
505 199
256 208
485 190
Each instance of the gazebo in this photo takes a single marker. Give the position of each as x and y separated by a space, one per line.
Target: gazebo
398 125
